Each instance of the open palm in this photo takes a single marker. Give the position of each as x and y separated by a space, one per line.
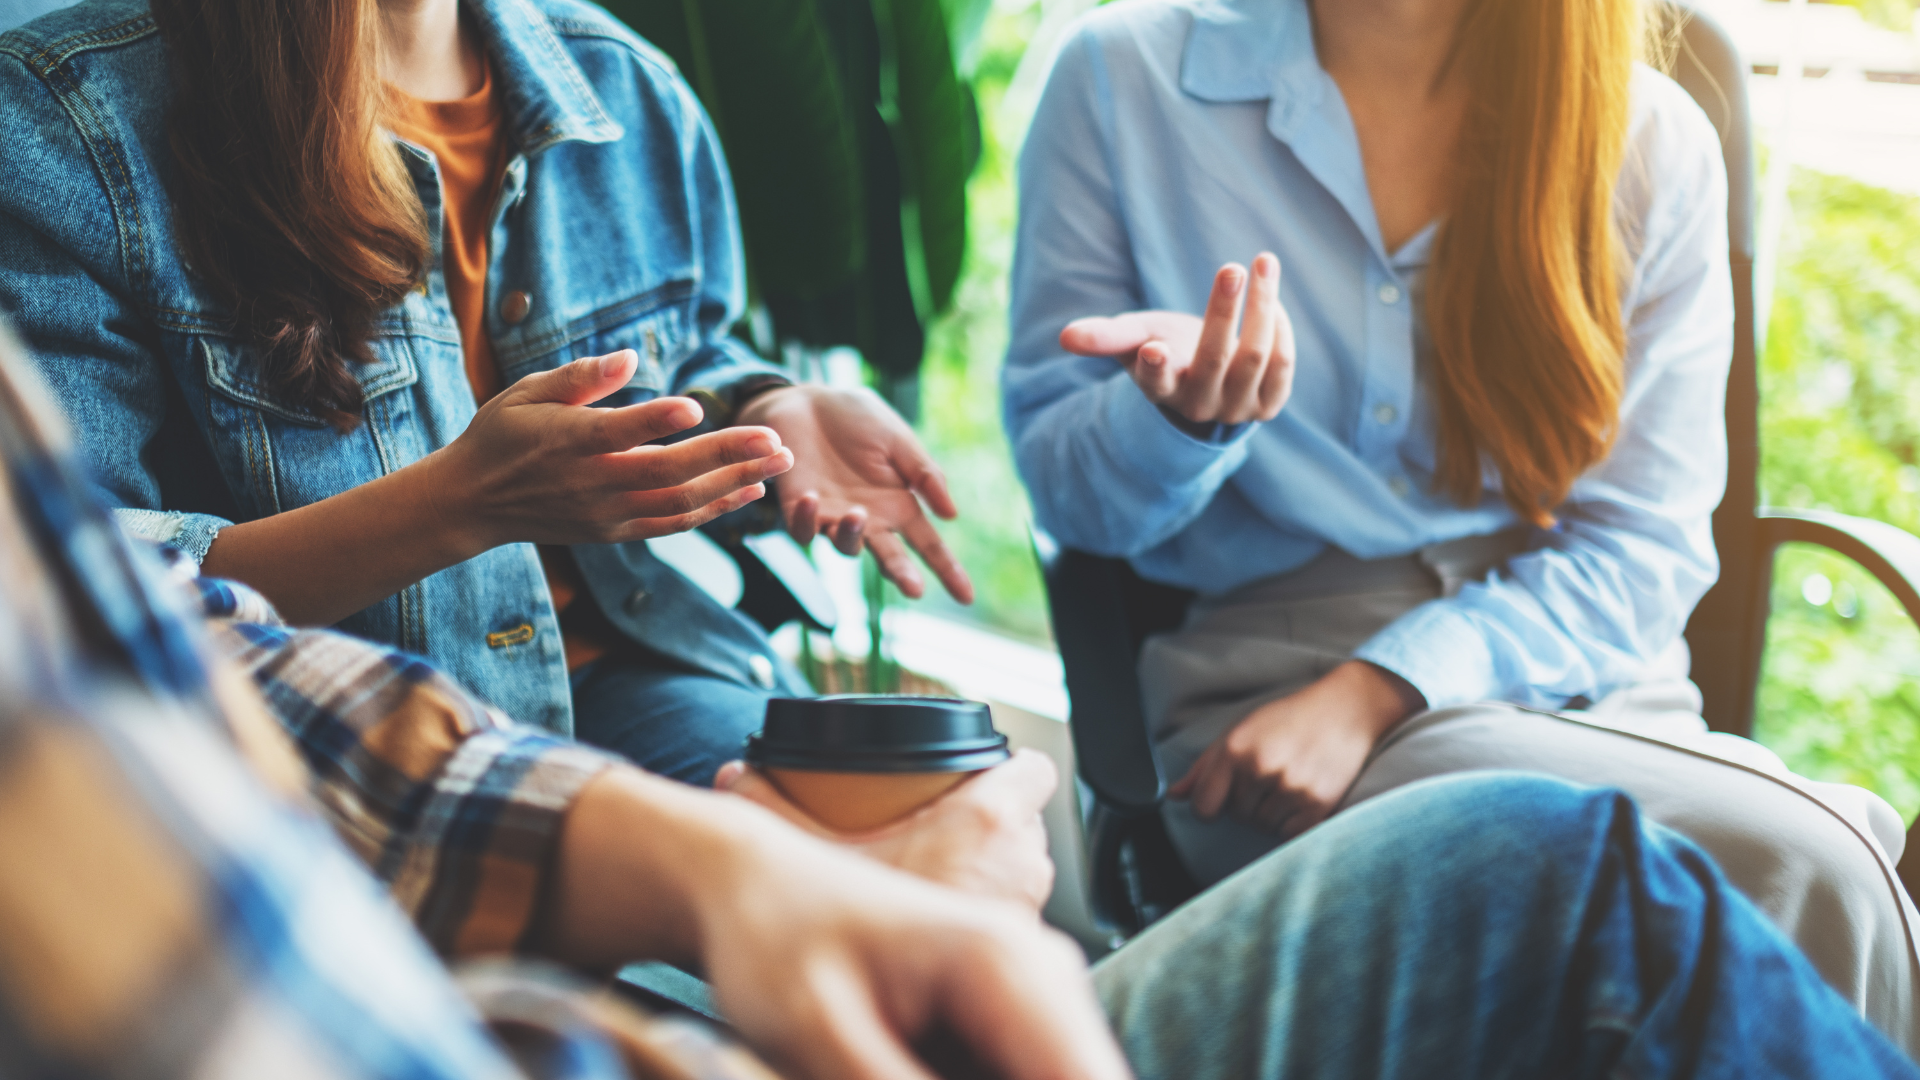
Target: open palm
860 477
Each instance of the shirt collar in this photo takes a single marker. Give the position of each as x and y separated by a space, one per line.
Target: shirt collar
1253 50
546 96
1262 50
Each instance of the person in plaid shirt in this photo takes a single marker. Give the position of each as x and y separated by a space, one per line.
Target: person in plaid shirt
190 892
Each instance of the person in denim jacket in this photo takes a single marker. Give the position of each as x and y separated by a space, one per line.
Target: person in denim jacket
329 289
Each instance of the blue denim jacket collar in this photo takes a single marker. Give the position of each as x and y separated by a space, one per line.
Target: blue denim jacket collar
548 100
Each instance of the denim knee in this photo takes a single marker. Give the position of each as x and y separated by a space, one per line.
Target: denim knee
1479 818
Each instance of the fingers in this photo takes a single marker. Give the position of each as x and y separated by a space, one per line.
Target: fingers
703 490
1100 336
1153 371
1273 809
1183 787
1248 791
1198 397
1208 784
898 566
649 468
1031 1015
1276 385
926 540
803 518
1240 388
923 477
1303 817
582 382
850 531
643 526
1024 782
611 431
847 1037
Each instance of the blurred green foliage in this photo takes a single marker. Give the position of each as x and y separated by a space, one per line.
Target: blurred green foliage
1892 14
1840 429
959 382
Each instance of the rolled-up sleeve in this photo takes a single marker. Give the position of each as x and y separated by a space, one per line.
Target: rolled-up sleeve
454 807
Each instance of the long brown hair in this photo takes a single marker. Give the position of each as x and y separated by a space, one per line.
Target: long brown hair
290 204
1524 296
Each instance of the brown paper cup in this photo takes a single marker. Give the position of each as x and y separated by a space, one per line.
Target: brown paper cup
853 802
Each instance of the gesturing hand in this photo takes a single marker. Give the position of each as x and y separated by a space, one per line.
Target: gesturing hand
833 965
859 475
984 837
537 465
1286 766
1203 369
838 968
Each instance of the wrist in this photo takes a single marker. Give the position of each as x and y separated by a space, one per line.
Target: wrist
1385 698
756 403
450 517
645 870
726 406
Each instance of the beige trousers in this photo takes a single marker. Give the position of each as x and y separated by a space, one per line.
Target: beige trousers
1817 858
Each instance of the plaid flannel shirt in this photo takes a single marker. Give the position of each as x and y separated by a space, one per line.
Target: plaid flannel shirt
455 807
171 905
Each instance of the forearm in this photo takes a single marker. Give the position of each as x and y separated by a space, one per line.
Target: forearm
325 561
1109 473
636 857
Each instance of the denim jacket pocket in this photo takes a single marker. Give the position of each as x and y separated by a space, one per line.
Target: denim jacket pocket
234 371
657 324
256 433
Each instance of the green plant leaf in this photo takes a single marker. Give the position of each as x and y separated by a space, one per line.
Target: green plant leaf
771 80
933 123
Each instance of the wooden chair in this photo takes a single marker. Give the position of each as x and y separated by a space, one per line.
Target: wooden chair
1103 611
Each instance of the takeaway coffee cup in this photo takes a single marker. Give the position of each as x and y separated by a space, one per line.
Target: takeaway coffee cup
858 761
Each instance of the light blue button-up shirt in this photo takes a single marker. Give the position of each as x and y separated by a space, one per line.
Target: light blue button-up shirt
1173 137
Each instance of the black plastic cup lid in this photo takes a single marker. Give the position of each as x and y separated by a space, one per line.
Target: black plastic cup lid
877 733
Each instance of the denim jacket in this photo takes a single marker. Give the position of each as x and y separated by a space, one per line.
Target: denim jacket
616 219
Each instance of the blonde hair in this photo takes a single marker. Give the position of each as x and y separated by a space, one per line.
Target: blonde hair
1524 297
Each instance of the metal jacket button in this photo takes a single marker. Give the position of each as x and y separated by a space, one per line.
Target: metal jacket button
636 600
514 307
762 669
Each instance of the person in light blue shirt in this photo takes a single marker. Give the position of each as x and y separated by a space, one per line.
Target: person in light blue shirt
1415 505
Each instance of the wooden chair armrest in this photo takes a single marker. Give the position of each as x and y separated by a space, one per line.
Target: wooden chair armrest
1891 554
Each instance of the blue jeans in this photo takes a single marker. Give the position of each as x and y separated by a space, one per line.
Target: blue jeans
663 718
1481 925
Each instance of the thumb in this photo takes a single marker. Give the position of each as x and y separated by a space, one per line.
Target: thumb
1027 781
1101 336
582 382
736 778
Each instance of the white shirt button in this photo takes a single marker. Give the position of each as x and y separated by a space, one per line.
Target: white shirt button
1389 293
762 669
1385 414
1399 486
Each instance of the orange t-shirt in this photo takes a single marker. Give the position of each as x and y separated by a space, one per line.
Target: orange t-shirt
468 138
